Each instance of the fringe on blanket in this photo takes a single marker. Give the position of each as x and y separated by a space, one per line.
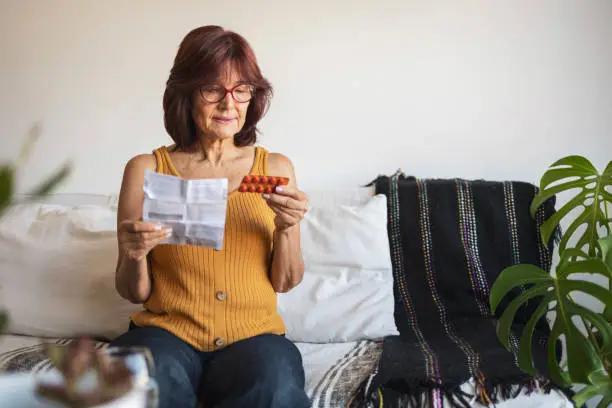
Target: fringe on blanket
487 392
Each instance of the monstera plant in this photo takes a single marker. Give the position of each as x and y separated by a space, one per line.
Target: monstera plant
585 250
7 185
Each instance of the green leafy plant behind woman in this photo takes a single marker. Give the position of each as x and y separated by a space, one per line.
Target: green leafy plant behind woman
7 185
585 248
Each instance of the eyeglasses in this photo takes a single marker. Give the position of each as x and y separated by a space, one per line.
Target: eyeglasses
240 93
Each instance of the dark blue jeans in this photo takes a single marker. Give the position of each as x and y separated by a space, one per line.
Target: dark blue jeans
262 371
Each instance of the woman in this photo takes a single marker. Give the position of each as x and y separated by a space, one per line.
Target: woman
210 317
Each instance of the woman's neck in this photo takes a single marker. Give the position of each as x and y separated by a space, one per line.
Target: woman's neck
217 151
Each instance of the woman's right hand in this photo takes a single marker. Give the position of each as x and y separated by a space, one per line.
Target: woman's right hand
138 238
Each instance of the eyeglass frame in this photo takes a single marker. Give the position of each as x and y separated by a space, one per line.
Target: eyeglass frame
230 91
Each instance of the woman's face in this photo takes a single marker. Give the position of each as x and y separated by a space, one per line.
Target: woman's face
221 119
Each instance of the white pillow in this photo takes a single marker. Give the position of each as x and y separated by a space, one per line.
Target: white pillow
57 267
347 290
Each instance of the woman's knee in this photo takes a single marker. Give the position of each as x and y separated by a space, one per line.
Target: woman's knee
271 357
262 371
283 362
281 378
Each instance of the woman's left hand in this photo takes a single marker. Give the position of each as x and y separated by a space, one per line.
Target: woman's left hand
289 204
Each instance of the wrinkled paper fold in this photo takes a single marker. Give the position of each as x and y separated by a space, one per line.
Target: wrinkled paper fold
194 209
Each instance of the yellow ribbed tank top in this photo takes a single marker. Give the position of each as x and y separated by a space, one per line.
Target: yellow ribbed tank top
211 298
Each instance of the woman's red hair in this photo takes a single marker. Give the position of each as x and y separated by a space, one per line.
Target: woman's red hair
203 55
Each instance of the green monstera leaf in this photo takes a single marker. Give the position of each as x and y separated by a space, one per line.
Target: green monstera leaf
605 244
6 186
3 321
600 385
576 172
554 294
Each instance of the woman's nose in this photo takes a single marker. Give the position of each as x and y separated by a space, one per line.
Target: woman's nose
227 101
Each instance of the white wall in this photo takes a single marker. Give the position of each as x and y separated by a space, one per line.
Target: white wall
465 88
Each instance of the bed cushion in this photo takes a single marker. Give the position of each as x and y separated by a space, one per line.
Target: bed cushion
347 290
57 266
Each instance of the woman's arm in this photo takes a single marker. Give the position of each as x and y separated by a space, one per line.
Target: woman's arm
135 238
289 205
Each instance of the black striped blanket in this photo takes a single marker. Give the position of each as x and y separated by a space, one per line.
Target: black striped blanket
449 240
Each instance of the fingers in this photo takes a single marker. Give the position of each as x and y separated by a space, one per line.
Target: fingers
137 238
141 226
289 204
151 243
139 248
294 214
286 217
285 201
291 192
147 236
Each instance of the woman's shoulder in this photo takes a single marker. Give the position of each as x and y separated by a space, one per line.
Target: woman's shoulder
148 161
280 165
142 161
